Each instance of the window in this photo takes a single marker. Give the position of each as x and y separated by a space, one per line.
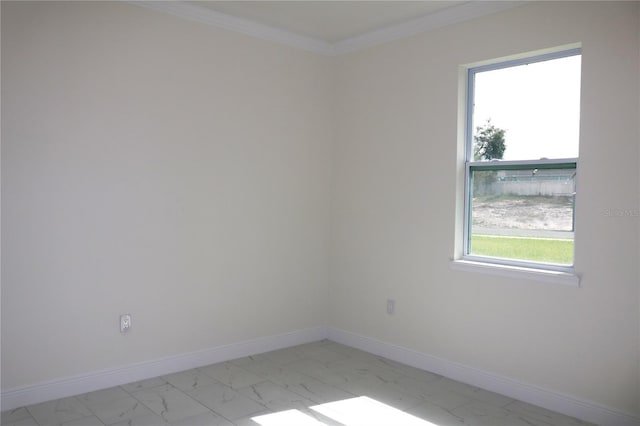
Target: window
521 160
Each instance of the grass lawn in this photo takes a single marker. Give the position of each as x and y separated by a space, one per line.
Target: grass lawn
524 248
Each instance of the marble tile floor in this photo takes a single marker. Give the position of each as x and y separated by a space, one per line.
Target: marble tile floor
296 378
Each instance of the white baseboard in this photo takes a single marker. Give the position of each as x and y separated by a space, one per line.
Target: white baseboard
551 400
76 385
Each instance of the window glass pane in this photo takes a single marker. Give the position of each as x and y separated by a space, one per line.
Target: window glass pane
537 105
525 214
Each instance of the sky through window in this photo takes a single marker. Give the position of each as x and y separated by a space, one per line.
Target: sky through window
538 105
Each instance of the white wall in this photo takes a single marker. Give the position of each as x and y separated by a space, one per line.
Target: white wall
158 167
182 173
395 207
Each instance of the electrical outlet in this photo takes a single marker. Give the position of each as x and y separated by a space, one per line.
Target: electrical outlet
391 306
125 323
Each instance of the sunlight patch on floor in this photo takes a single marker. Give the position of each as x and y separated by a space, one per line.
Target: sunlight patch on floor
287 418
360 411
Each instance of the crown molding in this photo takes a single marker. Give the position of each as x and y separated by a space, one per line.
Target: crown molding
442 18
233 23
452 15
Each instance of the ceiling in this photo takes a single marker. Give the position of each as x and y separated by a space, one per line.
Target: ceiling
330 27
329 21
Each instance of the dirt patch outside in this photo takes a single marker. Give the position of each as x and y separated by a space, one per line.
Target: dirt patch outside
523 212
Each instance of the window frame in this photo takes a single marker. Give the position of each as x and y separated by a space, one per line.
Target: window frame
470 165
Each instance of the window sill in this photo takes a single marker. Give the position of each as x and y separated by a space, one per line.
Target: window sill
556 277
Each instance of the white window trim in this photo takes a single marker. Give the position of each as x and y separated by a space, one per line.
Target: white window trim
498 266
517 272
